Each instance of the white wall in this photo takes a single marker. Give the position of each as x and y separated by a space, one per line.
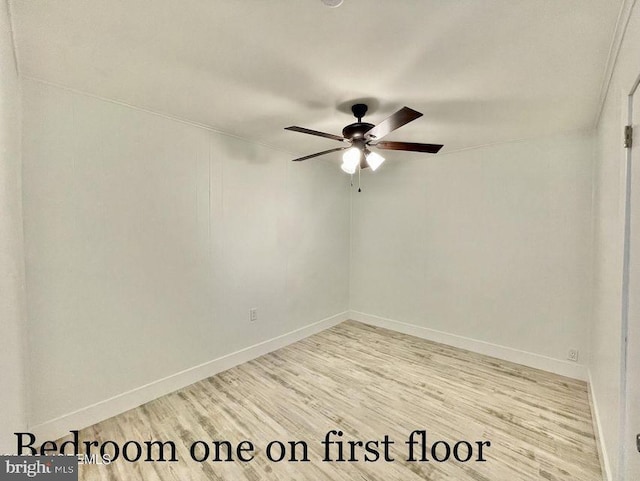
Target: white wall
609 181
148 240
491 244
12 315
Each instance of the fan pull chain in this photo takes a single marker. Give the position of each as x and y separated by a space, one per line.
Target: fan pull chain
359 170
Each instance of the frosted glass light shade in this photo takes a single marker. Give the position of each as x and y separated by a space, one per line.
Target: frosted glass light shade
351 160
349 169
374 160
351 156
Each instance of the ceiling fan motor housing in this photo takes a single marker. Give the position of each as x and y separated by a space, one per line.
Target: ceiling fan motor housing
356 130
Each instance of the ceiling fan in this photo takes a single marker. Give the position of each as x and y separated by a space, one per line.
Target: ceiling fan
362 135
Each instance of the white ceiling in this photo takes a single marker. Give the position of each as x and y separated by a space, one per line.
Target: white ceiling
482 71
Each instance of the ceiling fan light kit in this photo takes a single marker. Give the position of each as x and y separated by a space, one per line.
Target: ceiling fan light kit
362 135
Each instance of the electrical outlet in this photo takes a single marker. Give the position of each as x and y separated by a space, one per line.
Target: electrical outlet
572 355
253 314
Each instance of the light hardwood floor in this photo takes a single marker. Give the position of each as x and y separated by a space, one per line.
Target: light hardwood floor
367 382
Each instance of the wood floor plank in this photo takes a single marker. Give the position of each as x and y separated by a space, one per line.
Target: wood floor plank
367 382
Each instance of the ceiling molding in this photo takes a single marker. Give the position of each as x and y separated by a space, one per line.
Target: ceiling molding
614 51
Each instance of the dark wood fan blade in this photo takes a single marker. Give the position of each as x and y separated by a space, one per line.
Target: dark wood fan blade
315 132
388 125
319 153
410 146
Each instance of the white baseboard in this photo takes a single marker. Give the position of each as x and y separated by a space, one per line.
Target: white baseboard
87 416
557 366
597 429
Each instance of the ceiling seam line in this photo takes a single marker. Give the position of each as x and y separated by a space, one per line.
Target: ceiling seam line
12 31
612 59
260 143
159 114
584 130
